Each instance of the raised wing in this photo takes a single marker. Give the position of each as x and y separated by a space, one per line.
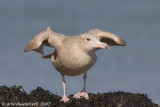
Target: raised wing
109 38
37 43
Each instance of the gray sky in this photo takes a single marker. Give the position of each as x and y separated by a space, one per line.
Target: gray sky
134 68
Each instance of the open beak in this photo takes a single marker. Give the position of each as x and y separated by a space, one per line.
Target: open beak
102 45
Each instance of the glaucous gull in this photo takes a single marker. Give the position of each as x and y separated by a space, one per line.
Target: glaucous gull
73 55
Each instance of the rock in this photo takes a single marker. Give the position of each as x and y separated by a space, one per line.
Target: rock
15 95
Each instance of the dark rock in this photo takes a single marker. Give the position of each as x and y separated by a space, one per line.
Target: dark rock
16 96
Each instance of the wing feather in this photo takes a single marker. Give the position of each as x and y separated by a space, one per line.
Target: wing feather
109 38
37 43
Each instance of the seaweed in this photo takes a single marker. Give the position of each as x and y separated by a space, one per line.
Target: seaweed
16 96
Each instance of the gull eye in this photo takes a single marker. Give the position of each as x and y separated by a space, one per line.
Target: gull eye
88 39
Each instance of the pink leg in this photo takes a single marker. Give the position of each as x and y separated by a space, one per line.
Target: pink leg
83 93
64 99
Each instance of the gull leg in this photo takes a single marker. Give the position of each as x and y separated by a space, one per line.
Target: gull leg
64 99
83 93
